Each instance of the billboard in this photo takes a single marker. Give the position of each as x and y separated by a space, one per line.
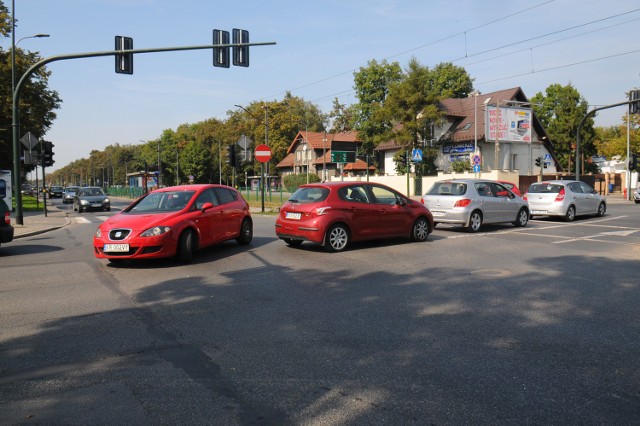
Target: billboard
508 124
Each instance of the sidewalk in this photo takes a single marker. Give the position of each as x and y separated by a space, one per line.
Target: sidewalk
35 223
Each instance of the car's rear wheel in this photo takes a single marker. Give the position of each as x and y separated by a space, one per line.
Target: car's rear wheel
602 208
246 232
420 230
337 238
291 242
186 246
522 219
475 222
571 214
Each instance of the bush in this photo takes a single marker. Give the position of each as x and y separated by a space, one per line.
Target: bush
461 166
292 182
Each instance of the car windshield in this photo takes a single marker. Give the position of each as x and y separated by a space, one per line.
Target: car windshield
161 202
448 188
545 188
309 195
90 192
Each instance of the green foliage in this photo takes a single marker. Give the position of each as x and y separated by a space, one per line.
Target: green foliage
37 101
560 110
292 182
461 166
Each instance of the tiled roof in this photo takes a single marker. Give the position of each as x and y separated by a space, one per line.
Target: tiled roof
463 108
358 165
317 139
286 161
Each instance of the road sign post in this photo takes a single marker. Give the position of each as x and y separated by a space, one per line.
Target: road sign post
263 155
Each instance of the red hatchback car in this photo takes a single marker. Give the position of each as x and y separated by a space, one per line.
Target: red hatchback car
334 214
175 221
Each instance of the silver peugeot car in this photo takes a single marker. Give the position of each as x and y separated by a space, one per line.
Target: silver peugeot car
473 202
564 198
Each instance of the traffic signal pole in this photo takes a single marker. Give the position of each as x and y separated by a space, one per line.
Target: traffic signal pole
17 179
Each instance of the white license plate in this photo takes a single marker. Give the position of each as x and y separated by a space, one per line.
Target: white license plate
293 215
95 206
116 248
538 211
437 214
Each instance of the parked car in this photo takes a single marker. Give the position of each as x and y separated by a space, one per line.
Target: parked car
68 194
55 191
175 221
6 230
474 202
335 214
636 195
91 198
564 198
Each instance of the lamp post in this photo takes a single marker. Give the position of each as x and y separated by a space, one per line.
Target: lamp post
16 154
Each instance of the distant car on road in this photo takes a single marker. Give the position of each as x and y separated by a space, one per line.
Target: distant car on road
26 189
474 202
636 195
175 221
565 198
337 213
6 230
69 193
55 191
91 198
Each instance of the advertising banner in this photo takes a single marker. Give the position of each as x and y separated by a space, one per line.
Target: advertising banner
509 124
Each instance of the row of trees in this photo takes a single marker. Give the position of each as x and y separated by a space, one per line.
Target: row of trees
393 104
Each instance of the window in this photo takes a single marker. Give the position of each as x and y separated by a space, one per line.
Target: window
225 195
383 195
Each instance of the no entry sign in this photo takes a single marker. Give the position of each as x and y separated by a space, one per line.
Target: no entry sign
262 153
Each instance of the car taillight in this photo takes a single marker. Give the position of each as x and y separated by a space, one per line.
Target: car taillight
462 203
524 197
7 218
560 195
422 200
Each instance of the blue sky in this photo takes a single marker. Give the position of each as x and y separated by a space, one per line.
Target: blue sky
501 44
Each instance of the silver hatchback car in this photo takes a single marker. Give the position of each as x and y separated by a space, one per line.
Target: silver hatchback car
472 202
564 198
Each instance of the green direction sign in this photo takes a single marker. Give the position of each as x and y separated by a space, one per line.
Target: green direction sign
343 156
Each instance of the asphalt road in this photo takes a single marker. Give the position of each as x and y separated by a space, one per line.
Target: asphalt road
536 325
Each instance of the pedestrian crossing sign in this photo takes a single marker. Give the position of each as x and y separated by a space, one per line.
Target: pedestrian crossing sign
416 155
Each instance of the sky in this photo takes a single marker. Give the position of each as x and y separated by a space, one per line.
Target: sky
531 44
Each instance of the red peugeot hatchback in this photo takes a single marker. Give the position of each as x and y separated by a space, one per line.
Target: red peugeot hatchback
175 221
336 213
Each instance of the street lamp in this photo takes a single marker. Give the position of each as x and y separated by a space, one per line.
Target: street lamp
15 112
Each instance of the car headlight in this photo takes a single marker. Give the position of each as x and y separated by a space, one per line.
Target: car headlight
106 200
83 202
155 231
98 233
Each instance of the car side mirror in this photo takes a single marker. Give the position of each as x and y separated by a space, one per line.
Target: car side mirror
206 206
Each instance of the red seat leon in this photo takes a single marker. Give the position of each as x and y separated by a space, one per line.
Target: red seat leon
175 221
337 213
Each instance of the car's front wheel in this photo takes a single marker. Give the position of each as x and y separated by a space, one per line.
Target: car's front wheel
522 219
337 238
246 232
186 246
475 221
420 230
602 209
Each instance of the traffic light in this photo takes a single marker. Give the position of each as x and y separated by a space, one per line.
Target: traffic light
634 106
539 161
634 162
232 160
240 53
221 54
47 154
124 61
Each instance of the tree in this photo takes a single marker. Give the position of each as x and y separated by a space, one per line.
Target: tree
371 84
560 111
37 101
